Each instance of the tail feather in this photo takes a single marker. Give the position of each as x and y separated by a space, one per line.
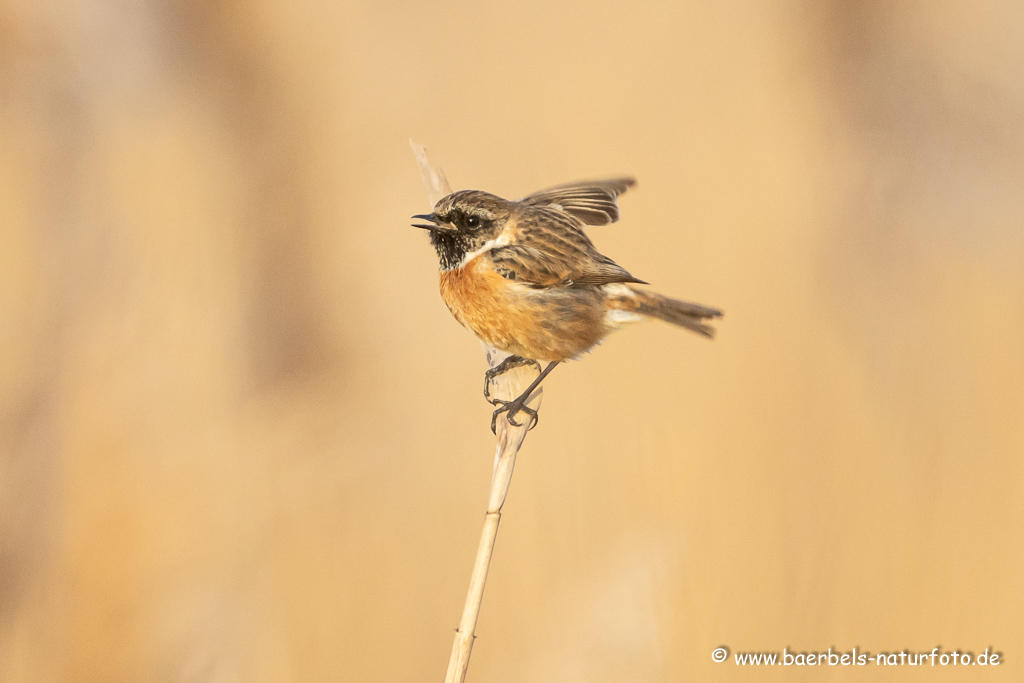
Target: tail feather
682 313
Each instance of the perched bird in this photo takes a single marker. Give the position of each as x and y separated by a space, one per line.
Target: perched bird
525 278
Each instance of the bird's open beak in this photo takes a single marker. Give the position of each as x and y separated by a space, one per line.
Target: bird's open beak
434 225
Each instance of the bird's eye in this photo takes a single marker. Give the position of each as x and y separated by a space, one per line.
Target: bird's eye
473 221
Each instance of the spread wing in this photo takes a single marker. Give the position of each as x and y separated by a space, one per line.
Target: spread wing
552 250
591 201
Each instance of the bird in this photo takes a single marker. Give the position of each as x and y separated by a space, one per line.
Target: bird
524 277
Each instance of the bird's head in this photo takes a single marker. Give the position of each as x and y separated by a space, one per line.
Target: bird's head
463 223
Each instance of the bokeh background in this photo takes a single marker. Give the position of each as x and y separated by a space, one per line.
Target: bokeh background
243 439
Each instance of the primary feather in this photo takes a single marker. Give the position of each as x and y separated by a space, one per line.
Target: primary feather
591 201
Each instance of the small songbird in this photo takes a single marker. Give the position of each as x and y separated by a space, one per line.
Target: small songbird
525 278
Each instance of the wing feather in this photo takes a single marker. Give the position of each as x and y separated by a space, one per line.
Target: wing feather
551 250
591 201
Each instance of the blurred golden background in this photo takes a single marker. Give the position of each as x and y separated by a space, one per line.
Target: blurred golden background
243 439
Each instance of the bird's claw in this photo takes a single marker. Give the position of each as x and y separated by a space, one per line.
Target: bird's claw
513 408
500 369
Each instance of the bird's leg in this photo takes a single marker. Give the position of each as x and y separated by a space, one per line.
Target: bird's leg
519 404
500 369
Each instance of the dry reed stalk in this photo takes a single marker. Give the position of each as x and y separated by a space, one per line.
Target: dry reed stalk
506 387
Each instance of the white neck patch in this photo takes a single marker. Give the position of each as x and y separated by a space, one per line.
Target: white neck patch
500 241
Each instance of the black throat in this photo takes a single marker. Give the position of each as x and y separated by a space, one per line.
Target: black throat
451 248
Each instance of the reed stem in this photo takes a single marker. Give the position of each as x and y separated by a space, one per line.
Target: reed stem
506 386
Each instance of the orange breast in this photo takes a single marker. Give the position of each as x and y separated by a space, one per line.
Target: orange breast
544 324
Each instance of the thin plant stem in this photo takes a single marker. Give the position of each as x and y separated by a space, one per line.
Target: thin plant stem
506 386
